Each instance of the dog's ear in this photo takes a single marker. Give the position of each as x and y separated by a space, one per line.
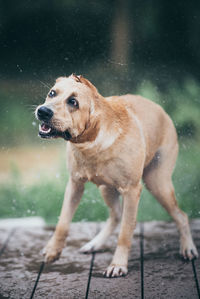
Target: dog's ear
76 78
83 80
86 82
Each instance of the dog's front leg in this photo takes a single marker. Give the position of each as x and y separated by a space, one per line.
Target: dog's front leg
119 264
73 193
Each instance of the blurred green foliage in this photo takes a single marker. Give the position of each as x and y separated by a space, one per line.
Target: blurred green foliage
45 198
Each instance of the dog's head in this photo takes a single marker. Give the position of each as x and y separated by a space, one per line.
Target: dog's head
68 109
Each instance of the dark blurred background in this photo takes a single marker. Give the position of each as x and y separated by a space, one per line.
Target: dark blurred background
60 37
147 47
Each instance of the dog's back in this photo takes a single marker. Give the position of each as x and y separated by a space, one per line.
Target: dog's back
157 126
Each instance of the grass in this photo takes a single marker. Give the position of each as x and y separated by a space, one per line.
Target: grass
44 198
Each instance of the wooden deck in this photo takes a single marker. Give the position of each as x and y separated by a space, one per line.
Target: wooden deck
155 268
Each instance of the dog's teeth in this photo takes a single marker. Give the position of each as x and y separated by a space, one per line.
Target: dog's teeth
44 131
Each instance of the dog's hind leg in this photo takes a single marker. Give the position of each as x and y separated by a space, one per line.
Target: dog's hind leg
157 178
111 198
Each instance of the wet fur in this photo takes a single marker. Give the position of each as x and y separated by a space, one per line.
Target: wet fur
115 143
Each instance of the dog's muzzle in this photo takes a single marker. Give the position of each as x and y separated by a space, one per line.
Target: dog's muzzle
46 128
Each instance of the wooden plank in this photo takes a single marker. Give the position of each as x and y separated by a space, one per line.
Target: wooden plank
66 278
122 287
195 226
166 275
5 235
15 278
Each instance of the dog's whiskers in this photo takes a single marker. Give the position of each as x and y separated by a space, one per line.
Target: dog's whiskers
45 84
31 107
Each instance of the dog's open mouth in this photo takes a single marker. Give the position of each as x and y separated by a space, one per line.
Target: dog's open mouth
47 131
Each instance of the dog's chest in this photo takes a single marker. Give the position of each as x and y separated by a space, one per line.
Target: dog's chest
99 169
91 172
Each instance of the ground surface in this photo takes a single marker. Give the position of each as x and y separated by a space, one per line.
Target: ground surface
155 268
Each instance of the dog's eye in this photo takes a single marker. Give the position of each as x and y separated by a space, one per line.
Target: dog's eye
52 94
73 102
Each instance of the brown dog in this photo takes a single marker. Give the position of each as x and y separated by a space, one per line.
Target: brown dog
114 142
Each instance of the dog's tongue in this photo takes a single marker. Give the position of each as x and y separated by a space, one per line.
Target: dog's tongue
45 127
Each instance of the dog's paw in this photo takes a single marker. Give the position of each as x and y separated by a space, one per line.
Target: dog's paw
88 248
188 250
115 271
52 251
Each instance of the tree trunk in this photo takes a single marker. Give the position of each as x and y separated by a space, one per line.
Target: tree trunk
120 35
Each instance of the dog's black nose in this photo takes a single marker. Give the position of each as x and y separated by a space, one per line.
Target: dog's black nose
44 113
